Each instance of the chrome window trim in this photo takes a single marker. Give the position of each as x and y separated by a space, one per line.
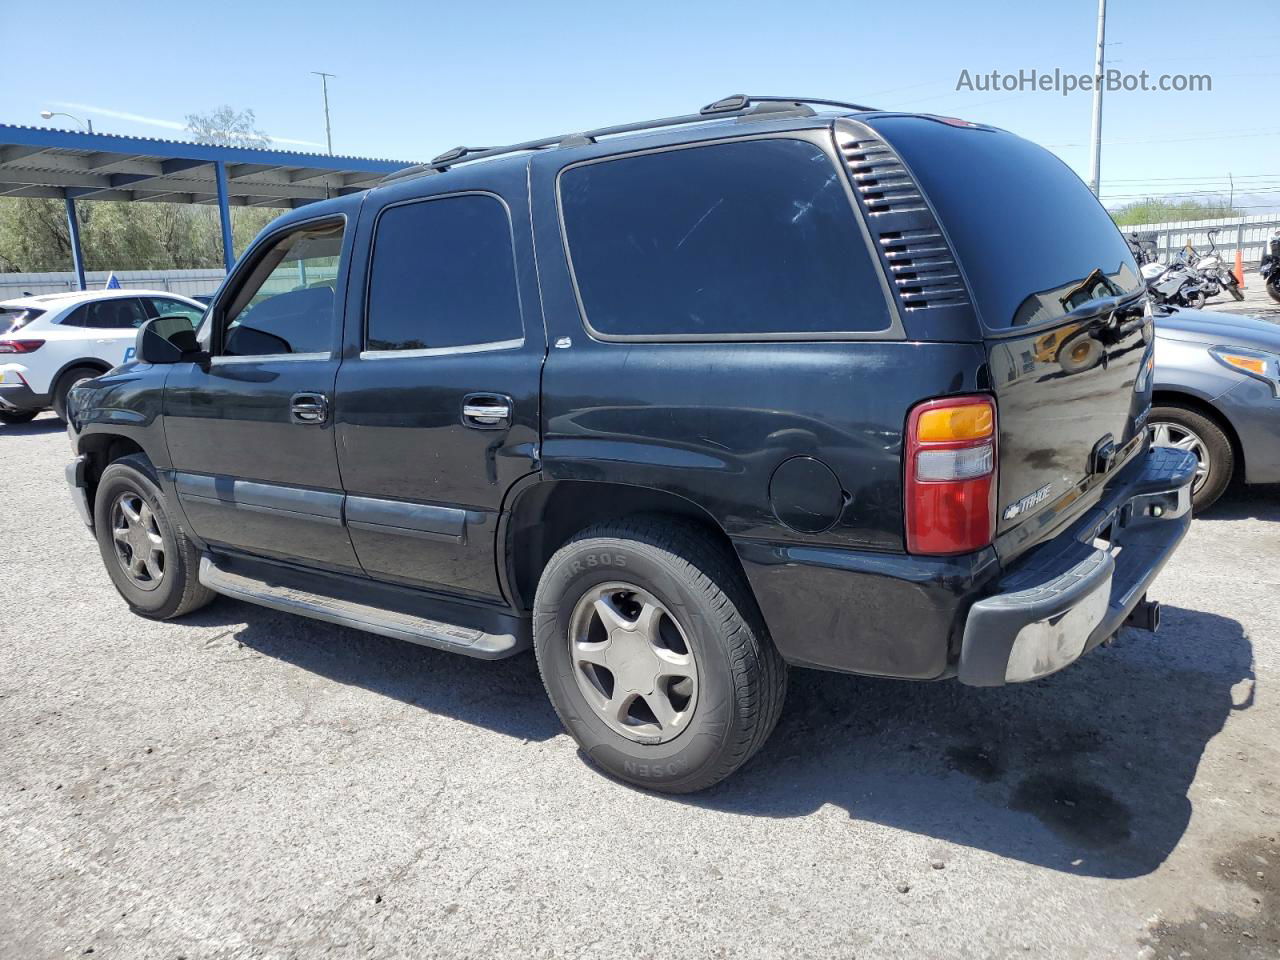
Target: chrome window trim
223 359
490 346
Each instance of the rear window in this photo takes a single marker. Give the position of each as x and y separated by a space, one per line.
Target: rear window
1032 239
745 239
15 318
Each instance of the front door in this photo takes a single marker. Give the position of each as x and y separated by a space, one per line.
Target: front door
250 431
437 399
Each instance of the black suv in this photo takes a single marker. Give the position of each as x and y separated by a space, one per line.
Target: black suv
677 404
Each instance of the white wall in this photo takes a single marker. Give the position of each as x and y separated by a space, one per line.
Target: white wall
189 282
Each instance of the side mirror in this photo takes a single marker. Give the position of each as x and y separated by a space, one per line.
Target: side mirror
169 339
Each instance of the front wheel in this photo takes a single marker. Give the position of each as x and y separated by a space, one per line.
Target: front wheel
1187 429
16 417
148 557
654 655
1233 288
1273 289
1194 299
66 383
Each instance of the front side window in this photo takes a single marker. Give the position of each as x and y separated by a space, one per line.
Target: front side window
740 239
443 275
286 304
118 313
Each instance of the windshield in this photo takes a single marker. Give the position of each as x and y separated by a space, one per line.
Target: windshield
1033 241
13 319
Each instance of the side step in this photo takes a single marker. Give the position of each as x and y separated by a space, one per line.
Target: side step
293 591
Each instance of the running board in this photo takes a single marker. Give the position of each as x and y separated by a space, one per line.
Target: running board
282 588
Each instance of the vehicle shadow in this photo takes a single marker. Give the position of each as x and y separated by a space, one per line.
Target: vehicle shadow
34 428
1086 771
505 696
1246 503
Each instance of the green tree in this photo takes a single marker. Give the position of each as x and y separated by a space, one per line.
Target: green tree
135 236
1155 210
227 127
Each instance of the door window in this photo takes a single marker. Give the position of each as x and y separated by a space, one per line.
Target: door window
443 276
286 305
117 313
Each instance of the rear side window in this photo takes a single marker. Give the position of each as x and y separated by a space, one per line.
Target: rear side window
443 275
746 239
15 318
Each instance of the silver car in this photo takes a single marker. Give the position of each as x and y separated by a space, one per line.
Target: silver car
1217 393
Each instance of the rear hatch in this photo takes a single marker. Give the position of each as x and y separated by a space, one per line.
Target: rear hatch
1060 300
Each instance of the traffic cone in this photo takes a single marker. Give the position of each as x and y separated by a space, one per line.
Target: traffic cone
1239 269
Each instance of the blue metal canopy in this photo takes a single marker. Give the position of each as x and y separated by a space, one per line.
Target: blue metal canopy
70 165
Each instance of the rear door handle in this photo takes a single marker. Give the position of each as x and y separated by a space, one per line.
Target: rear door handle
309 408
487 411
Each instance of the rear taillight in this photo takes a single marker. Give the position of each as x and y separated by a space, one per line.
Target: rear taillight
20 346
951 475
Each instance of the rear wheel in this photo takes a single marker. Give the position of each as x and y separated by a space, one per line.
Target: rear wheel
66 382
17 416
1187 429
149 559
654 655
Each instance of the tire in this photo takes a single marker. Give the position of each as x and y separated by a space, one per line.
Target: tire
708 621
1273 290
1192 430
1195 300
1233 288
176 590
66 382
15 417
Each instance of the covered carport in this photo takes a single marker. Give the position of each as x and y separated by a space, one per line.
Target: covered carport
71 166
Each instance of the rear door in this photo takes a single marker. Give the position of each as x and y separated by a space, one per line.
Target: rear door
438 394
250 432
1061 304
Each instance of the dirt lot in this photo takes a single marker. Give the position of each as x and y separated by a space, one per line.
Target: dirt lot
250 784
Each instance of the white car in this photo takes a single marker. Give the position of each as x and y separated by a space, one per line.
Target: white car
51 342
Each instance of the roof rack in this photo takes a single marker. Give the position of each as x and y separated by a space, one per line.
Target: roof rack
734 106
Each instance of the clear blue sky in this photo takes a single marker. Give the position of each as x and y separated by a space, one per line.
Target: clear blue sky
415 79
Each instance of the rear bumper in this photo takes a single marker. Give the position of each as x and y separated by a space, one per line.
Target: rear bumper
1069 595
19 396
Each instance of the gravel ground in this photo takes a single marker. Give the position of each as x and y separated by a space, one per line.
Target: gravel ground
250 784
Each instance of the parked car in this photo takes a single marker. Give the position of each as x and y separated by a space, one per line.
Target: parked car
1217 394
51 342
676 404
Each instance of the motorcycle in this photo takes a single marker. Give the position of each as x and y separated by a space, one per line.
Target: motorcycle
1269 268
1175 284
1214 274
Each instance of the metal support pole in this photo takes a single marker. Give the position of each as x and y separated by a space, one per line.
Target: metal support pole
224 213
1095 162
73 229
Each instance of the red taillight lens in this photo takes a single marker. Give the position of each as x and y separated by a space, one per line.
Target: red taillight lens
950 491
20 346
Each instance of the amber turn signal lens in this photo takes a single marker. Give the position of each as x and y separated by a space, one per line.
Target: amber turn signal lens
1249 364
972 421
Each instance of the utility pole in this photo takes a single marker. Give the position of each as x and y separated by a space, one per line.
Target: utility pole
1095 162
324 85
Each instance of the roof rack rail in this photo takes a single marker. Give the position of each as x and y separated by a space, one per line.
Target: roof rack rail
736 105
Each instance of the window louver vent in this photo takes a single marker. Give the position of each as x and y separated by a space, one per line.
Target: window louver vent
882 181
923 269
919 259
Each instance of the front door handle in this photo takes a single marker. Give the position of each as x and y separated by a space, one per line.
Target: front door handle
309 408
486 411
